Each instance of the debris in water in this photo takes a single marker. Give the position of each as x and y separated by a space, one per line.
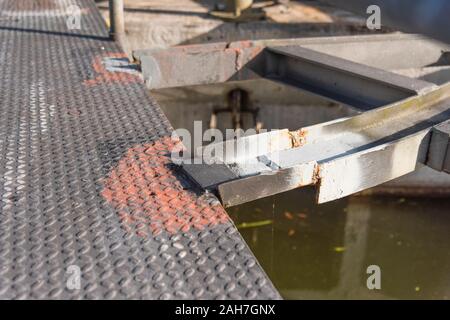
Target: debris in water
302 215
291 232
255 224
289 215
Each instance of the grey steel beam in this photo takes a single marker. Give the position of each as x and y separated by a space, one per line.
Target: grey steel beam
341 80
198 64
245 60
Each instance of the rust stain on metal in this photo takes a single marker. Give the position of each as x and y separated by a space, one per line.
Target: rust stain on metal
105 76
245 43
150 199
244 51
237 61
316 174
298 138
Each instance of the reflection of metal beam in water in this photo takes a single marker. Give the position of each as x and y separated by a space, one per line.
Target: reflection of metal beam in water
351 284
406 238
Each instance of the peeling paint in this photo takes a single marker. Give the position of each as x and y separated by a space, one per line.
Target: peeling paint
145 189
298 137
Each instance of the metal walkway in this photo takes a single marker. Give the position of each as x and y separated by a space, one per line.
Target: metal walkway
85 181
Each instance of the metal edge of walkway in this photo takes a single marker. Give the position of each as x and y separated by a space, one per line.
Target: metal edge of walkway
86 185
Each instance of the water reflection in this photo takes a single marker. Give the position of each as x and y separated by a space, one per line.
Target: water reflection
322 251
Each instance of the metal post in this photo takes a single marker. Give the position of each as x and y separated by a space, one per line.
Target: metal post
112 27
117 25
116 20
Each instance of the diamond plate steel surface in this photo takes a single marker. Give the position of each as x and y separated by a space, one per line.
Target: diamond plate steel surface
85 179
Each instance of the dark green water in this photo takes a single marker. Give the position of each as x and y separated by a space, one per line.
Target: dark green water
323 251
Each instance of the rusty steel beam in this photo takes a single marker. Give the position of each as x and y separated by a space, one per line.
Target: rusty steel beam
197 64
340 157
246 60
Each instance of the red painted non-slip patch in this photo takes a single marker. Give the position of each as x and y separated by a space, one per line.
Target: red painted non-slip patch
105 76
150 199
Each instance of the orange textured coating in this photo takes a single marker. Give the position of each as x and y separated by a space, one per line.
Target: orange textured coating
150 199
105 76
